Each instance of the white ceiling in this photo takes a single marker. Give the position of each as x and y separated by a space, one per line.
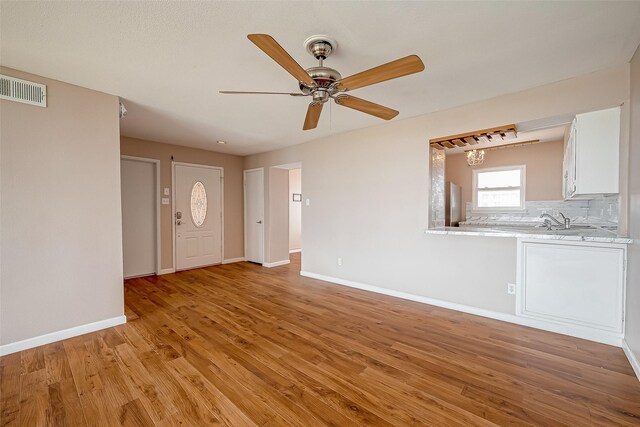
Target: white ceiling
168 60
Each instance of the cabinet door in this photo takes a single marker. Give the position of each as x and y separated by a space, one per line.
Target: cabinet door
597 142
573 284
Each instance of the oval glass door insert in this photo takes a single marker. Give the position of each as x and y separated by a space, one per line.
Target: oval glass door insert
198 204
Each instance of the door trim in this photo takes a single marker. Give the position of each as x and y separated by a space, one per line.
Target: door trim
173 205
156 163
244 200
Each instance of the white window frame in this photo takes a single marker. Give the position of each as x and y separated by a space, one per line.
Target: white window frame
523 186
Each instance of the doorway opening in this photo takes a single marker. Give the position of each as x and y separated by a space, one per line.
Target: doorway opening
295 210
285 208
295 217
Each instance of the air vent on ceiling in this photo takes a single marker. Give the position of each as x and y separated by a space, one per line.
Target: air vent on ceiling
23 91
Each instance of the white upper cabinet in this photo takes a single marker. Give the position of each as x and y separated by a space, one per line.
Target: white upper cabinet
591 157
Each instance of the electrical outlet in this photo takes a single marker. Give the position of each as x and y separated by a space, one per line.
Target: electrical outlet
339 261
511 289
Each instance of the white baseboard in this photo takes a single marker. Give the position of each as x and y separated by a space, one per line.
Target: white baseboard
575 331
166 271
61 335
635 363
232 260
293 251
275 264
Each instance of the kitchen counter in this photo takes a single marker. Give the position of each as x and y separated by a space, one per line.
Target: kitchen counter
596 234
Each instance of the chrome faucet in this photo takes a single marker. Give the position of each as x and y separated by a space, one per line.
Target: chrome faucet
548 219
567 221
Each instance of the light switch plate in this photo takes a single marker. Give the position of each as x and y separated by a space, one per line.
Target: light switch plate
166 191
165 200
308 202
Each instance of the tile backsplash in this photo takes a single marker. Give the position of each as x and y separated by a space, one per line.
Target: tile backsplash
604 209
601 211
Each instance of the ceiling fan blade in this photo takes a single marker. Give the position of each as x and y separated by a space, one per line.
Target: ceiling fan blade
271 47
313 115
391 70
366 107
238 92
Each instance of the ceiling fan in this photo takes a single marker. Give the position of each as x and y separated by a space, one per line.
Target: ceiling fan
323 83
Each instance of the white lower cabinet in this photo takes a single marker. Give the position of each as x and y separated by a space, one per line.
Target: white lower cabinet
578 285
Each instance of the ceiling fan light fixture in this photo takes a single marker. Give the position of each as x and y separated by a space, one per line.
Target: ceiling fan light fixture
320 96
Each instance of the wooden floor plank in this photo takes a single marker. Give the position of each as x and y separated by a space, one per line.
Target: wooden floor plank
65 404
10 371
133 414
242 345
157 404
34 397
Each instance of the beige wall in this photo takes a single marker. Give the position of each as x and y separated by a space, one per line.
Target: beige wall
295 209
233 190
369 191
632 333
543 169
61 245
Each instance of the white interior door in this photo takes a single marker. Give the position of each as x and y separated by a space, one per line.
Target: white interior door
139 201
198 216
254 215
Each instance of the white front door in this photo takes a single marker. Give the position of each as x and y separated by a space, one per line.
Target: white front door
254 215
139 188
198 216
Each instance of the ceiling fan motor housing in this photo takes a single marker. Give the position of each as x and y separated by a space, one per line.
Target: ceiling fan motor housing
323 76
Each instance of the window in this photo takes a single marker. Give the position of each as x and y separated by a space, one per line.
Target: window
198 204
498 189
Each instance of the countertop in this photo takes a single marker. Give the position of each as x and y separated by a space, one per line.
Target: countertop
599 235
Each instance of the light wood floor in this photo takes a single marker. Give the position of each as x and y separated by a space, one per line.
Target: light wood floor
244 345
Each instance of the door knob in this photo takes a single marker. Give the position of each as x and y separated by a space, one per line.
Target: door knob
259 222
178 222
